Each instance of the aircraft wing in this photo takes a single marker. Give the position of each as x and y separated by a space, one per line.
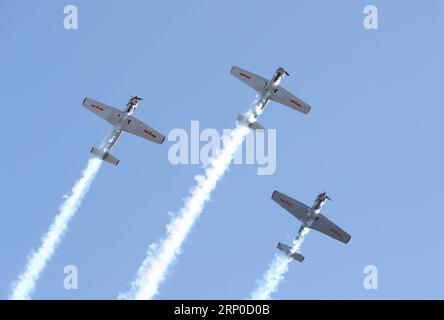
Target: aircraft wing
252 80
137 127
290 100
326 226
110 114
296 208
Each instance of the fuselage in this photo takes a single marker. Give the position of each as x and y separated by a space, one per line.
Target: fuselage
130 108
269 89
315 210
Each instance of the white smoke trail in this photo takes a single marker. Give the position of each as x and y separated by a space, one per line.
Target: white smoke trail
153 270
37 260
276 271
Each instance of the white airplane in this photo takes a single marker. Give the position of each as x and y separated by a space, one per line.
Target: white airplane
267 90
122 121
310 218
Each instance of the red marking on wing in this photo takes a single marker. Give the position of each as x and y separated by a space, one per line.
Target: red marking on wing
97 107
245 75
150 134
336 233
296 103
286 202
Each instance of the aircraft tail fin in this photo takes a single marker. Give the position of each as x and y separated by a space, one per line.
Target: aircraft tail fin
243 120
288 251
105 156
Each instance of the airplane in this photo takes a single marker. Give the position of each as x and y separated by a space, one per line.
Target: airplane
310 218
122 121
267 90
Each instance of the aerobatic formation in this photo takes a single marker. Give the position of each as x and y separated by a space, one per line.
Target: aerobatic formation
157 263
310 217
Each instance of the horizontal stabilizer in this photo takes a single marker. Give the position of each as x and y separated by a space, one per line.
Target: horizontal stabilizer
243 120
288 251
105 156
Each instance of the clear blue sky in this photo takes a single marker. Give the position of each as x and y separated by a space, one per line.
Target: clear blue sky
373 140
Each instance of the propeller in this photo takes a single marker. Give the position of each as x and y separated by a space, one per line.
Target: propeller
285 71
136 97
324 194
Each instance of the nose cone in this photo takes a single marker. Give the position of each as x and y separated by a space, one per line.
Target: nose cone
282 71
135 99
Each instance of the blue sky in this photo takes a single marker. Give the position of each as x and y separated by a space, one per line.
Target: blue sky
372 140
